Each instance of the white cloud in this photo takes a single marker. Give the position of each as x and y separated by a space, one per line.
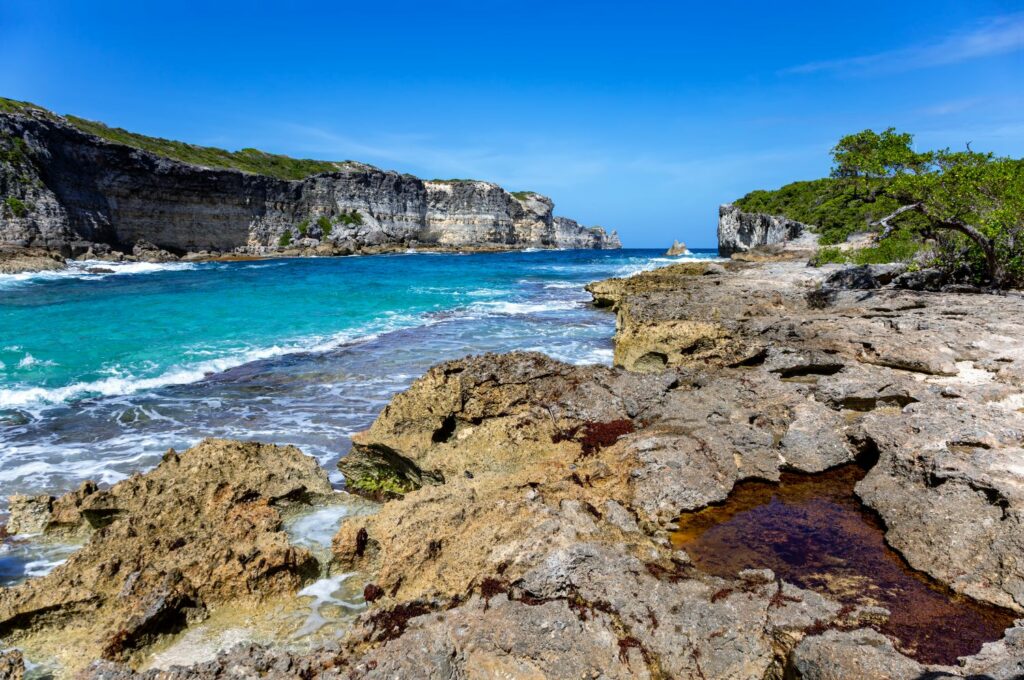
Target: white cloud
994 36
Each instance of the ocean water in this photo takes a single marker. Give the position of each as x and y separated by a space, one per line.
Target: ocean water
101 373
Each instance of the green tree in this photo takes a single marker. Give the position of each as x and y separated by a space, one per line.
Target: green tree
972 203
286 239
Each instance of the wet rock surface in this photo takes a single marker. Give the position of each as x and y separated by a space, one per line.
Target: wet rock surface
28 260
530 504
201 529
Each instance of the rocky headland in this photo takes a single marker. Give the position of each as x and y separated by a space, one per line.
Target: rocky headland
78 188
527 509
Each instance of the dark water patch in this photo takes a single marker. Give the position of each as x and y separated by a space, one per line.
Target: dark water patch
812 531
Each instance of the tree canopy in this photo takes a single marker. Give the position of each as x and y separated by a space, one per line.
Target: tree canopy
970 203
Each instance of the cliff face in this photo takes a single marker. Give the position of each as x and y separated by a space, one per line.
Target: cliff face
740 231
65 189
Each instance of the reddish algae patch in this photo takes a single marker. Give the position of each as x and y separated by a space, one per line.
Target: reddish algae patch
812 531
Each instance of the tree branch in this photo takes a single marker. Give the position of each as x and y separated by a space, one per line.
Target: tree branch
887 220
984 242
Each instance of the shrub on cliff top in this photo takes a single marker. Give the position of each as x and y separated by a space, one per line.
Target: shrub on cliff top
900 247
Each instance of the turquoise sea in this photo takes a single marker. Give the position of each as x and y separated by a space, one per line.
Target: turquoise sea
102 373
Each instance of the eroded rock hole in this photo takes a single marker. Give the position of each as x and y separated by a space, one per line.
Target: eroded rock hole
445 432
652 361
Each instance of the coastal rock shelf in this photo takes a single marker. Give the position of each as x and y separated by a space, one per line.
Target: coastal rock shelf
74 192
529 518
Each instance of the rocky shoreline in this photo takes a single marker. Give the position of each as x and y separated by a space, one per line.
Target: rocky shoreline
527 506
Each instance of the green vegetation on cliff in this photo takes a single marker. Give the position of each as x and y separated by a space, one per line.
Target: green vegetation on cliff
833 208
246 160
351 218
900 247
17 207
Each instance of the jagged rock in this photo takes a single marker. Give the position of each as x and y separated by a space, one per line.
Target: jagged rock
201 529
536 547
922 279
1000 660
144 251
950 488
864 277
526 406
28 514
12 665
677 248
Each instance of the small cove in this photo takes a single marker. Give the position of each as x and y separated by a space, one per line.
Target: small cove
812 531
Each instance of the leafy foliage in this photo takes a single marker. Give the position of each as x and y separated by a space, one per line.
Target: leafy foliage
303 228
14 150
350 217
17 207
246 160
286 238
970 203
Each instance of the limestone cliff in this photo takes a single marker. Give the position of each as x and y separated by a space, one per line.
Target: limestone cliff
65 189
740 231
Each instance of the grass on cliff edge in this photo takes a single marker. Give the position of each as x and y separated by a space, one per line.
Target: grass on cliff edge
246 160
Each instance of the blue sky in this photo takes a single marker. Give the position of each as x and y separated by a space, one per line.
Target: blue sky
639 116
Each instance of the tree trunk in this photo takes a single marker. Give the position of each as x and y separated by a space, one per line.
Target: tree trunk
986 244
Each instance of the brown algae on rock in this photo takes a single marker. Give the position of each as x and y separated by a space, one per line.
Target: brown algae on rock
812 531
